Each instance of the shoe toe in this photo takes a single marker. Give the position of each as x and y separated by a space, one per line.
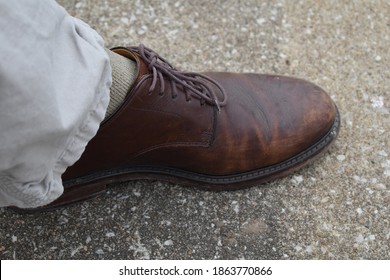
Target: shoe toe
270 119
299 113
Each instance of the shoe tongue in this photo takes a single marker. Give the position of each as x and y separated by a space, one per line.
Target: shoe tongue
142 68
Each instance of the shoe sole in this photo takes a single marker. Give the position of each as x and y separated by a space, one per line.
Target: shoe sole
87 187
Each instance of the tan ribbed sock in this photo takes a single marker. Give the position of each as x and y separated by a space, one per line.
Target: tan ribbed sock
124 72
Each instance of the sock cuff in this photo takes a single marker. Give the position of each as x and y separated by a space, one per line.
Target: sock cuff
123 75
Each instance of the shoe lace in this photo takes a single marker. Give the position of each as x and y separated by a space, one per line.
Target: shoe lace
194 84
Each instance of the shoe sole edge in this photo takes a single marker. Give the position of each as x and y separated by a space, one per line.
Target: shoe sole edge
87 187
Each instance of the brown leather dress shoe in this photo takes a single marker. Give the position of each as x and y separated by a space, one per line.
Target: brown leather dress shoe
219 131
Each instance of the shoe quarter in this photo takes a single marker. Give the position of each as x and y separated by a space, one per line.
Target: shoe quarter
150 121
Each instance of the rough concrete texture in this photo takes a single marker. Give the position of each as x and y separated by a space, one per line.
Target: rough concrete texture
337 208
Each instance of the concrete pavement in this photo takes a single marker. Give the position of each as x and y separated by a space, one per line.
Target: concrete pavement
337 208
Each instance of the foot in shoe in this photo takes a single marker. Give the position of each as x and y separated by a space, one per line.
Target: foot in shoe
219 131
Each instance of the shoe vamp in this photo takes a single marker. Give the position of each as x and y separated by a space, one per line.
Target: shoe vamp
267 120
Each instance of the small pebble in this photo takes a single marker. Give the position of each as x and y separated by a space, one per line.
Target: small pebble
298 248
99 252
340 157
380 186
359 239
382 153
